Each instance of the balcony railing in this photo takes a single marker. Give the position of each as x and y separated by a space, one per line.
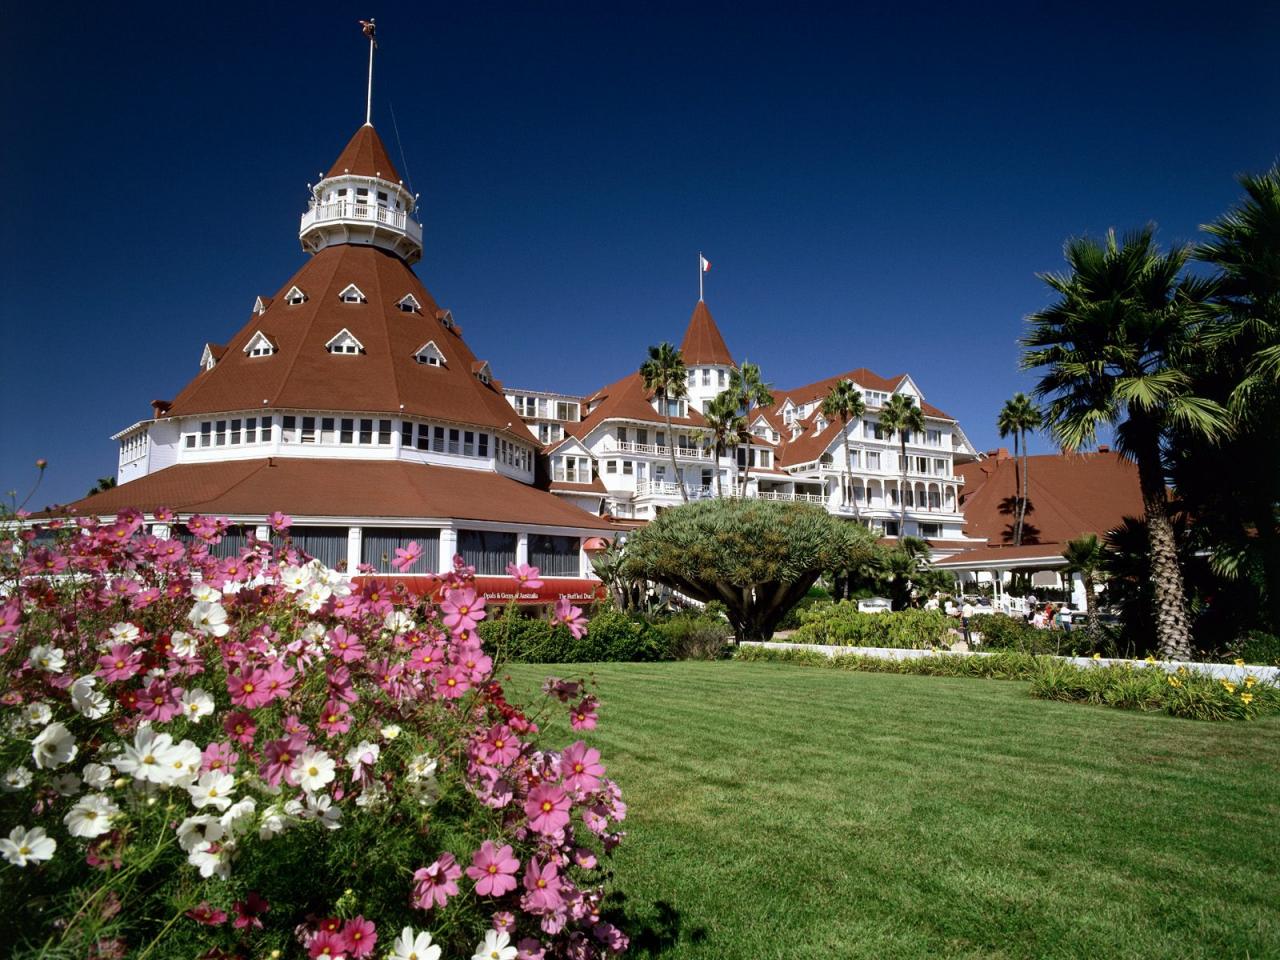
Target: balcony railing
362 212
787 495
682 453
663 488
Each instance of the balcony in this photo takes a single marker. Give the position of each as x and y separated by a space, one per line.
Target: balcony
661 488
347 211
682 453
787 495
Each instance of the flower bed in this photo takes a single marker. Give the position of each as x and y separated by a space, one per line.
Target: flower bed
230 757
842 624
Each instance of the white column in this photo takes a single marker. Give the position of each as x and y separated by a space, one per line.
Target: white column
584 561
355 537
448 547
522 548
1077 591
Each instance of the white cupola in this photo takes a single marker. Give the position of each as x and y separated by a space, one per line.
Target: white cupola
363 201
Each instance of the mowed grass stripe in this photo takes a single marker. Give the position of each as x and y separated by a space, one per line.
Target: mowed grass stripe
781 811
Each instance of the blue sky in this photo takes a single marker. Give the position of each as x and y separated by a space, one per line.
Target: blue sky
874 187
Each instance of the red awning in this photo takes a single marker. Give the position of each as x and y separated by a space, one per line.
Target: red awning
502 590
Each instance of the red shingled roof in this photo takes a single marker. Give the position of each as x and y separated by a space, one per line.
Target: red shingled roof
1068 495
702 340
304 487
864 378
303 375
365 156
626 399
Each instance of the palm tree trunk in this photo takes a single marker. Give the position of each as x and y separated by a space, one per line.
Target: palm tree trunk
1019 497
719 479
1026 487
902 489
1173 627
746 470
1090 616
671 449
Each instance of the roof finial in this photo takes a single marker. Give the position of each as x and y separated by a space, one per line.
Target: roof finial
370 31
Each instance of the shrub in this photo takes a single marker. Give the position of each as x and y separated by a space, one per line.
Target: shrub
262 740
612 637
694 636
1261 648
840 624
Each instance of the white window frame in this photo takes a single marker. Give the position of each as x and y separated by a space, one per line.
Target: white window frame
409 304
259 345
352 294
344 343
429 355
295 296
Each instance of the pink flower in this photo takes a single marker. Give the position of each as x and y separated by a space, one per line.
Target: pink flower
547 807
493 869
543 885
462 611
336 719
249 910
240 726
345 646
160 701
360 936
248 688
530 949
434 885
280 522
580 768
326 944
406 557
218 756
525 575
583 716
571 616
279 757
278 681
453 683
504 921
204 913
500 746
120 662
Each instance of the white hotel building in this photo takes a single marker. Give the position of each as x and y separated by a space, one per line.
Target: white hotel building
350 400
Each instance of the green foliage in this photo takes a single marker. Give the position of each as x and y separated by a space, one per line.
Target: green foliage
613 636
1260 647
694 636
998 666
841 624
999 631
757 557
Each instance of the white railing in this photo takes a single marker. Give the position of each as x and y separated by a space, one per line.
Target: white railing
662 488
682 453
364 212
785 495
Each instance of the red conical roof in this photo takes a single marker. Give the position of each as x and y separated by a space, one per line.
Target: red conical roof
702 341
365 156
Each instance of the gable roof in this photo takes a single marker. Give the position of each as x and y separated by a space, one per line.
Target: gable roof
306 487
627 399
365 156
1068 495
303 375
863 377
702 340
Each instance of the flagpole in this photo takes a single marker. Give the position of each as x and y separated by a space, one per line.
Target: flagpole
368 104
699 276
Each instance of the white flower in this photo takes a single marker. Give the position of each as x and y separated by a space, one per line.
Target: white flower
421 767
212 860
199 829
214 789
37 713
67 784
364 753
53 747
15 779
295 579
313 770
274 822
30 846
390 732
315 597
372 796
321 808
184 644
495 946
96 775
239 815
90 703
203 593
196 704
122 633
90 816
209 619
232 587
48 659
411 947
398 621
149 757
184 763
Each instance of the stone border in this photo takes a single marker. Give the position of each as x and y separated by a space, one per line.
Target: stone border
1220 671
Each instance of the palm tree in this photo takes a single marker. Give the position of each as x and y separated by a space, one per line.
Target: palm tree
1109 350
844 402
901 416
724 424
749 389
1017 416
664 376
1084 556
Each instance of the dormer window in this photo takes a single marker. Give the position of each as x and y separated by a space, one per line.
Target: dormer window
351 294
259 345
344 342
429 354
260 306
209 359
294 297
446 317
409 304
482 371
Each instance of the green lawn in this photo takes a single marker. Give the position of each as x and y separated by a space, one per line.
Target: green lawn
780 811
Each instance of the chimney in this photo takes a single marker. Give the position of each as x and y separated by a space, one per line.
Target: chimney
159 408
